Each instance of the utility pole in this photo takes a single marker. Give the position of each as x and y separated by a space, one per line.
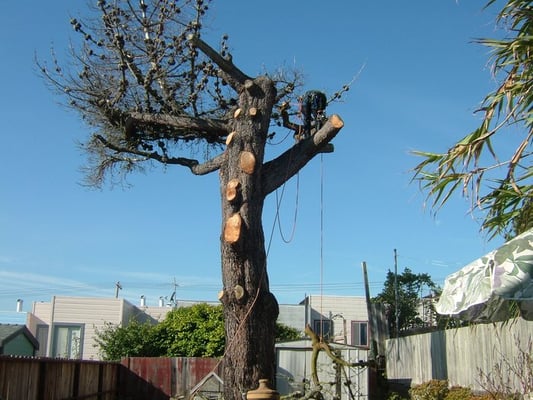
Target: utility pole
396 295
371 334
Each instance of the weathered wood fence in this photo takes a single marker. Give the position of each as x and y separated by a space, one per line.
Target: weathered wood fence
49 379
133 379
459 355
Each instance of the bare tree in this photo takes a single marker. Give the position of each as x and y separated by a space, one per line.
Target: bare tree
157 93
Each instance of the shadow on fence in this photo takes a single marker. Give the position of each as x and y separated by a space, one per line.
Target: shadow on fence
132 379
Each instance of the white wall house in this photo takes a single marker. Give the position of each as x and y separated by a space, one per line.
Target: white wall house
66 326
341 319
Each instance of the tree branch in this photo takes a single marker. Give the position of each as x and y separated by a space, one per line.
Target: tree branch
278 171
235 76
209 166
195 167
215 127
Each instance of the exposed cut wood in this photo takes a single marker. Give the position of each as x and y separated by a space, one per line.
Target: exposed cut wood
237 113
336 121
221 295
247 162
253 111
239 292
232 189
232 228
249 84
229 139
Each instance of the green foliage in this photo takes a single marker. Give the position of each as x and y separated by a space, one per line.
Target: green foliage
523 221
499 184
286 333
409 288
432 390
133 340
395 396
459 393
196 331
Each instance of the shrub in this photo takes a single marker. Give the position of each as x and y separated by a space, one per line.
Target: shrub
432 390
459 393
395 396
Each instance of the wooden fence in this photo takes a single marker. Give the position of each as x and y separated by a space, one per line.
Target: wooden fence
461 355
50 379
133 379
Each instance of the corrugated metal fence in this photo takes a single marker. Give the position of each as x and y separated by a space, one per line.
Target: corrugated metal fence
458 355
133 379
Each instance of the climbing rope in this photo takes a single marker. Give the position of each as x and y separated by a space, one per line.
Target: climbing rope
321 241
278 204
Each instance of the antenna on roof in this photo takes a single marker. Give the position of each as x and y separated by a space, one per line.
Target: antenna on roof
118 287
172 302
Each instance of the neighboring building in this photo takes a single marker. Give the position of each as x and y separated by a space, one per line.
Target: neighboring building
426 310
340 319
66 326
293 315
17 340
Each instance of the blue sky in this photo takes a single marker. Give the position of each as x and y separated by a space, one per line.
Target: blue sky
421 79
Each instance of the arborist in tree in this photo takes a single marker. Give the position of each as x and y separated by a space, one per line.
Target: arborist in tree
312 109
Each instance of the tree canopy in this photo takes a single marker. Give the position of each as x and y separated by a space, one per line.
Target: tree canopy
194 331
497 182
151 88
135 339
408 286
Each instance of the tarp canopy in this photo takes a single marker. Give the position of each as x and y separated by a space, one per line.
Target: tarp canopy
493 287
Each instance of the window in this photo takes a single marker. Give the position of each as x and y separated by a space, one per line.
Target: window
359 333
322 328
67 341
42 338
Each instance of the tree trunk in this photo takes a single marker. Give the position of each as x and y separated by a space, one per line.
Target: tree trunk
250 310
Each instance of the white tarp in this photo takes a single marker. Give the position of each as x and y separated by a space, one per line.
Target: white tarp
491 286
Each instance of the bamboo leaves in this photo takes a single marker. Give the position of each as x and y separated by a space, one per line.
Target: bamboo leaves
498 186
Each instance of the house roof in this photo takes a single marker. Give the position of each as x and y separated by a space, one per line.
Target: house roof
9 331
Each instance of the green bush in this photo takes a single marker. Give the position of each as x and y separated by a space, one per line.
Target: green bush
485 396
432 390
459 393
395 396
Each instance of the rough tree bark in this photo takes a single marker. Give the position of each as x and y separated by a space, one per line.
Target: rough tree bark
250 314
250 309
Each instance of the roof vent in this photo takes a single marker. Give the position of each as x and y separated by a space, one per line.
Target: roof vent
20 302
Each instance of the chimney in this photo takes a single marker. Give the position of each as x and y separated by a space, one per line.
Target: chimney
143 301
19 305
161 302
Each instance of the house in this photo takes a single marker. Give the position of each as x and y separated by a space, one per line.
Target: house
17 340
66 326
342 319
